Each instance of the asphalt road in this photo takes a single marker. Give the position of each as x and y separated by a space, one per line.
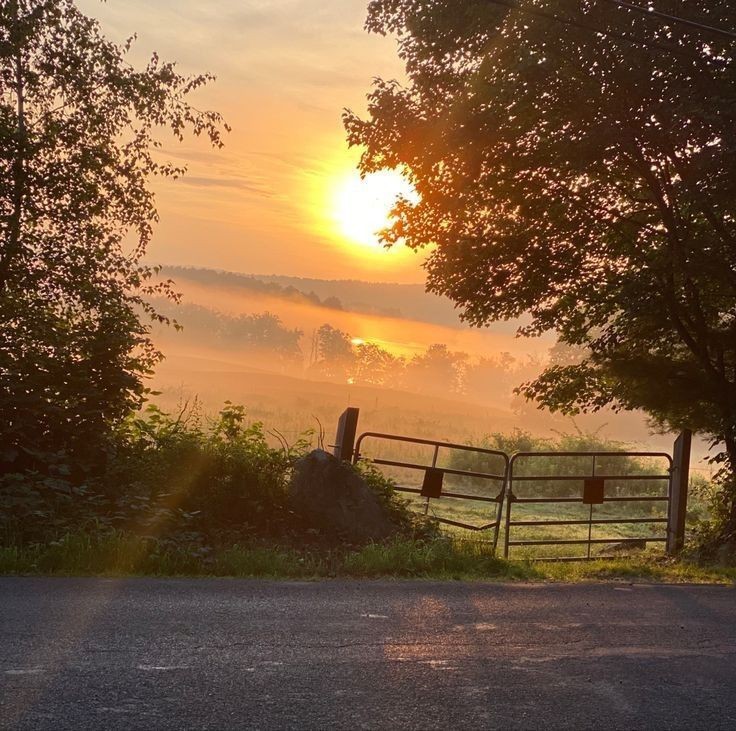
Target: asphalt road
218 654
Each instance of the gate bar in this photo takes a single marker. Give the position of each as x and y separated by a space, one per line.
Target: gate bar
601 521
631 499
584 541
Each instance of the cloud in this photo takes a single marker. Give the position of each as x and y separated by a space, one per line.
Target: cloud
223 182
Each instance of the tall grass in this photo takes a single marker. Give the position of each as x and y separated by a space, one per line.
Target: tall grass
118 554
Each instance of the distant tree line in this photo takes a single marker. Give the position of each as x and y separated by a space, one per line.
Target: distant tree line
255 332
219 279
336 355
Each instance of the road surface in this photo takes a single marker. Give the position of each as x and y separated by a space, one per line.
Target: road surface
219 654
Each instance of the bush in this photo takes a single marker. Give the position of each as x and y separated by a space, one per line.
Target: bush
182 482
220 479
709 511
409 525
174 479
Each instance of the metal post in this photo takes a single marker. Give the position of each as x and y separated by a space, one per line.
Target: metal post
347 427
509 503
434 464
680 477
590 517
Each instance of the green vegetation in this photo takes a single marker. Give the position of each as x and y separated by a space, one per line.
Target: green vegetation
182 482
576 167
80 135
119 554
183 495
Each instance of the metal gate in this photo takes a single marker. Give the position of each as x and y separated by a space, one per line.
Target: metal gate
598 487
488 486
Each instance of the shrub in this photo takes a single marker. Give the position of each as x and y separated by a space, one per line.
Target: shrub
409 524
183 482
173 478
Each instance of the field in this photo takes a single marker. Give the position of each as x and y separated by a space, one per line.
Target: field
118 555
289 406
291 399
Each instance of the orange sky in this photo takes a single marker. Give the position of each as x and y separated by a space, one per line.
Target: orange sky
273 201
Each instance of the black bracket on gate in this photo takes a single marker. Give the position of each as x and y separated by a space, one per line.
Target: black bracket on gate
432 485
594 491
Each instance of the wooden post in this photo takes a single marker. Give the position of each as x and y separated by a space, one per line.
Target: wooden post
679 481
347 428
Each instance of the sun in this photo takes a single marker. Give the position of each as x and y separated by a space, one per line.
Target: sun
361 206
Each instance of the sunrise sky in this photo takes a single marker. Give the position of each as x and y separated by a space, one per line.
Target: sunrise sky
282 197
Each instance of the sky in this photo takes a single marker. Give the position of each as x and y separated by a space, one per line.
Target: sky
283 196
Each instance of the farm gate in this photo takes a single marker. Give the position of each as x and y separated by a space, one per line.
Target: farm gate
576 500
585 499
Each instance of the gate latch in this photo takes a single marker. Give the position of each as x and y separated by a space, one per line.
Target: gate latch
432 485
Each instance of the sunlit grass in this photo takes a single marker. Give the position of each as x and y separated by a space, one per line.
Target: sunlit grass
478 513
119 554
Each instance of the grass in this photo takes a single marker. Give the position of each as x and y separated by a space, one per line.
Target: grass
477 513
118 554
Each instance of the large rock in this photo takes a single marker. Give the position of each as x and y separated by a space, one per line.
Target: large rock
331 496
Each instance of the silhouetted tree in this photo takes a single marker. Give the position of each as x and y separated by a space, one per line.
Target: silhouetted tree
376 366
438 370
577 162
335 356
78 148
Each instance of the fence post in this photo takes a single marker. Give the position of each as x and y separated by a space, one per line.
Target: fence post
347 427
678 492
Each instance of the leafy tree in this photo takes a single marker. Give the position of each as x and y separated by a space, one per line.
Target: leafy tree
260 332
376 366
437 369
492 378
263 331
78 148
334 350
576 161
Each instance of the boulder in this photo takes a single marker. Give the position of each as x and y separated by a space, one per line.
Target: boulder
332 496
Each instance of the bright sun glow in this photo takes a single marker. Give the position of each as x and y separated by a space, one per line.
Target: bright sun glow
361 207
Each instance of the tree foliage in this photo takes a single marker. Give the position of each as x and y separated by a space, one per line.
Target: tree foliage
577 161
79 145
334 352
437 368
255 333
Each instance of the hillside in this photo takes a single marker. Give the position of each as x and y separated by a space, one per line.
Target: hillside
406 301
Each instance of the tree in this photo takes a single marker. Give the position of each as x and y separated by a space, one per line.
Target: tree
334 351
576 161
437 370
492 379
78 148
376 366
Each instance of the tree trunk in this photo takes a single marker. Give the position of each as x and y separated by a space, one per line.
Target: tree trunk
13 243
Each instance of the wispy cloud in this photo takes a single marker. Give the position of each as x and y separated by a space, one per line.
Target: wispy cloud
224 182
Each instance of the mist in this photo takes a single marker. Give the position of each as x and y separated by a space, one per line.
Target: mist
297 358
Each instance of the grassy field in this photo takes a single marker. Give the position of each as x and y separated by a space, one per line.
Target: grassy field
451 558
